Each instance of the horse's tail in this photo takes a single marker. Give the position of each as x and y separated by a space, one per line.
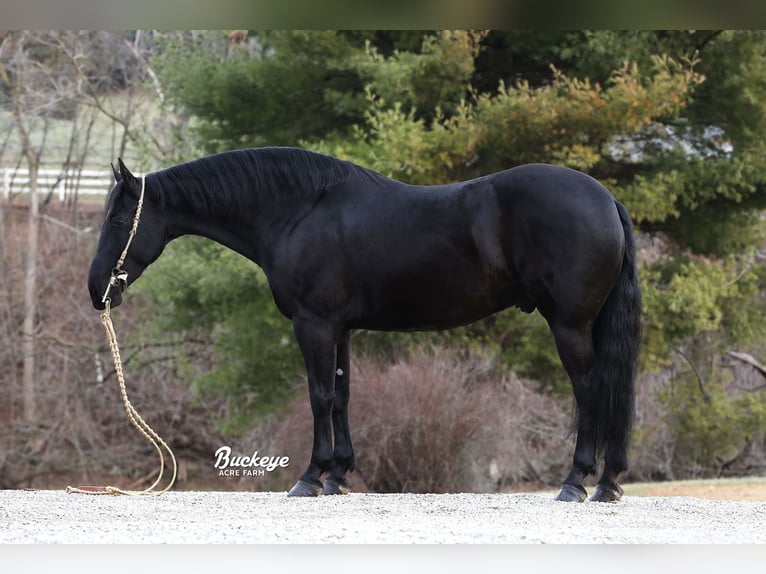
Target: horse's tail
616 339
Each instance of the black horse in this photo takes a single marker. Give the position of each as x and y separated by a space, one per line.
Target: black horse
345 248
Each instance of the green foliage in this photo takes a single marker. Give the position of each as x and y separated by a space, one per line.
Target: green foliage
712 426
440 72
685 298
567 121
732 98
295 85
711 229
523 345
205 291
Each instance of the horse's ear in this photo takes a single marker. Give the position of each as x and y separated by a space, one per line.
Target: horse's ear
125 172
126 176
116 172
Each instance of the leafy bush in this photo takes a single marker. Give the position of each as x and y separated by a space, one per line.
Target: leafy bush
696 423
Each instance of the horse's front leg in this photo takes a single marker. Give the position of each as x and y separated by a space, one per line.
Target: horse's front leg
343 453
318 343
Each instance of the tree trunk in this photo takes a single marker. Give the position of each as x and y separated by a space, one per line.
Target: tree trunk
28 391
30 298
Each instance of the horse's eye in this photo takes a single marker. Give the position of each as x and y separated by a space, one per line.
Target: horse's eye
119 221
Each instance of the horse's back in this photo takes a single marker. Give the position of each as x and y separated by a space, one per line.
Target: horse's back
379 254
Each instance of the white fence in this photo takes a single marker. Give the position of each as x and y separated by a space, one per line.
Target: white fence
62 182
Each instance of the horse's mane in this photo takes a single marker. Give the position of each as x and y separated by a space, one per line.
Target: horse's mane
228 181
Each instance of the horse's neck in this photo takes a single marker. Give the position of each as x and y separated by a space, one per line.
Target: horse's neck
240 227
229 233
236 229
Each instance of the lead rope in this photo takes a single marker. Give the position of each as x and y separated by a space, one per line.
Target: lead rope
143 427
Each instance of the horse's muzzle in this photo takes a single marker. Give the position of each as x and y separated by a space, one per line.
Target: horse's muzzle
112 291
115 297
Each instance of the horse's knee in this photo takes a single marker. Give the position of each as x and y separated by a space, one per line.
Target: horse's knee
322 400
340 405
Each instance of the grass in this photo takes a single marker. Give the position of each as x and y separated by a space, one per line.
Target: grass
751 488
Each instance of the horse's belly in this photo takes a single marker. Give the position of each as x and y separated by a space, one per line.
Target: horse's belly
433 303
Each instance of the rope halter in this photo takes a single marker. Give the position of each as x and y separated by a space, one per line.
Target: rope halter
119 275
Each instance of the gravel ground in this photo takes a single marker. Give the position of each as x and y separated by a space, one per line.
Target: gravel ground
47 516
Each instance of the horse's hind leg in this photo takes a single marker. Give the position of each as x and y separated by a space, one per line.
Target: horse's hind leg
615 462
343 451
575 347
615 454
603 421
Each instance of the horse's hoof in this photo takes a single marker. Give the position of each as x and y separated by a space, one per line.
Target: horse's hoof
305 488
571 493
607 493
336 486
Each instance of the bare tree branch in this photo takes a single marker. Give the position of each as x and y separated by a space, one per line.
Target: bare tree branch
695 371
748 360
